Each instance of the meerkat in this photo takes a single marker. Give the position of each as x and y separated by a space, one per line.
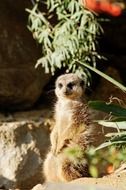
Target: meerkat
72 128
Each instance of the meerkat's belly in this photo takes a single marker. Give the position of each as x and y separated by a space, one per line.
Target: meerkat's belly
63 120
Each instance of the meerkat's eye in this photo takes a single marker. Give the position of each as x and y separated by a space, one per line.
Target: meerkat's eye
60 85
82 83
70 85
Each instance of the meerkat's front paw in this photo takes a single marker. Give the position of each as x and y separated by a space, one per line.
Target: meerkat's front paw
53 150
62 145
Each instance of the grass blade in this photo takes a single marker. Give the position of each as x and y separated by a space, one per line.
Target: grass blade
110 79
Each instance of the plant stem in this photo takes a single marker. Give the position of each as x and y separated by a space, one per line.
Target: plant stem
110 79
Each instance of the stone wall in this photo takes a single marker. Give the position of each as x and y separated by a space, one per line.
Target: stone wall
20 83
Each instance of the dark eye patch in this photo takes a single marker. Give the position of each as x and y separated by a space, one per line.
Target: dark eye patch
60 85
82 83
70 85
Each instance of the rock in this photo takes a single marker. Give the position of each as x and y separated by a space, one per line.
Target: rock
107 91
38 187
116 181
21 84
63 186
22 148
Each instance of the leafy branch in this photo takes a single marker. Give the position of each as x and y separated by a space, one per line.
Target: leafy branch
71 35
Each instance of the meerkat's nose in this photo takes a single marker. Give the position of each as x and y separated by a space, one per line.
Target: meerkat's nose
67 91
70 86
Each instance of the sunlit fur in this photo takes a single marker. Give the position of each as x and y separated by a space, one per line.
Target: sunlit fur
77 90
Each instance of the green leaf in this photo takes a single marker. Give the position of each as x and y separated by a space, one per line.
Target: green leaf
93 171
115 134
119 125
72 35
117 119
109 143
108 108
118 138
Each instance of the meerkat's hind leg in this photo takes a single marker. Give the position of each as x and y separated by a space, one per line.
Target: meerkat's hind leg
50 168
69 171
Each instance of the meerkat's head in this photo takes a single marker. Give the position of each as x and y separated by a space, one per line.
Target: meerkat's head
69 86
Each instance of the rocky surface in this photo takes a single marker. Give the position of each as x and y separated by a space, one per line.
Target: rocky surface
111 182
71 187
21 84
116 181
24 140
107 91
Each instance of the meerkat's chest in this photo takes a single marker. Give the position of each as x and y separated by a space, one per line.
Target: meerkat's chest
63 117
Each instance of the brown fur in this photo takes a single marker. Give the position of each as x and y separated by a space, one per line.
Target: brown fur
72 128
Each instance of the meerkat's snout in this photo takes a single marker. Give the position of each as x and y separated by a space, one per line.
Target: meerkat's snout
69 86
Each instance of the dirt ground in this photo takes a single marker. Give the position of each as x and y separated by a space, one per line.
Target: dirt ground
113 182
117 181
